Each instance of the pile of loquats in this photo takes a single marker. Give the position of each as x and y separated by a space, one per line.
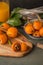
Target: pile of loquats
34 28
6 32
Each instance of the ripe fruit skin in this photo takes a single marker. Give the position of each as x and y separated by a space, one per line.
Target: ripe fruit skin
37 25
41 31
29 29
23 47
16 46
1 32
3 38
12 32
36 34
5 26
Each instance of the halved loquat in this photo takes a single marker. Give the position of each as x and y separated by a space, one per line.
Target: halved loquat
16 46
24 47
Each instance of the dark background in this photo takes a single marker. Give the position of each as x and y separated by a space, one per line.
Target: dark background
26 3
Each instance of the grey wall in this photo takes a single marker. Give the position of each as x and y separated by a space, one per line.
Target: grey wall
26 3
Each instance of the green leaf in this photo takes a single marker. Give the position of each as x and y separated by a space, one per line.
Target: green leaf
18 15
14 21
15 11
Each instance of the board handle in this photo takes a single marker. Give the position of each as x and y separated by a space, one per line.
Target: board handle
39 45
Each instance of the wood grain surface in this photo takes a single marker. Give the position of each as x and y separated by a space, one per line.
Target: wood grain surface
6 50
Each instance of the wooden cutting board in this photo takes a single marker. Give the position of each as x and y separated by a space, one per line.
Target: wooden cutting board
6 50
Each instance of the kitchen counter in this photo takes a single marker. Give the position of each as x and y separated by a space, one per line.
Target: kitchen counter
33 58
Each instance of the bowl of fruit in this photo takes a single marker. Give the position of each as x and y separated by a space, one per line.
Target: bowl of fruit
34 29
